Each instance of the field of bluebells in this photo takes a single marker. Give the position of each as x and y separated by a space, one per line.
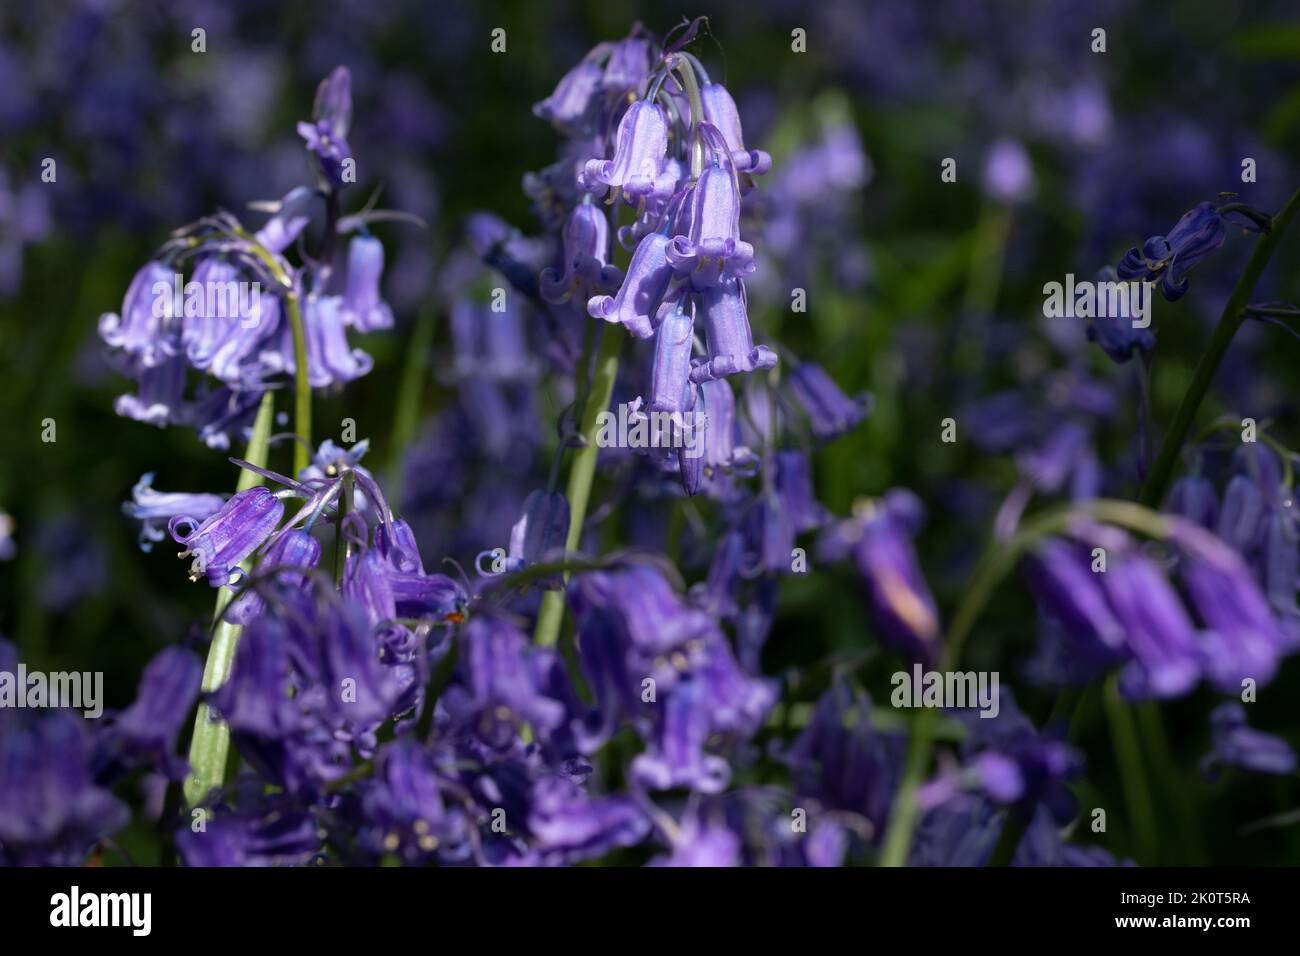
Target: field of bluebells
432 607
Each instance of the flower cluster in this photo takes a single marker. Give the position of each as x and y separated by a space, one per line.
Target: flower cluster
224 302
604 685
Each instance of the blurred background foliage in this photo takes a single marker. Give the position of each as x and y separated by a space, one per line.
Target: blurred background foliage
926 294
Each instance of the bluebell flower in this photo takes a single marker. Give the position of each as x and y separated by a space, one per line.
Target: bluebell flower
716 408
491 346
294 548
676 755
154 509
1194 498
707 244
627 66
160 399
586 258
229 535
570 105
365 583
326 136
636 304
403 812
1235 744
670 374
290 215
502 682
1242 638
541 529
1012 763
1158 632
1196 236
1242 516
330 360
146 334
203 329
640 147
717 594
416 593
364 308
793 485
307 690
879 538
720 110
1072 596
264 830
845 763
145 734
1117 336
829 410
223 414
570 825
52 811
730 343
1008 172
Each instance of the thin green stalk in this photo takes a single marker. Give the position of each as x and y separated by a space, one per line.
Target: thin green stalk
342 549
692 87
410 396
210 742
1234 313
1128 754
1151 731
293 306
988 252
583 470
992 568
301 385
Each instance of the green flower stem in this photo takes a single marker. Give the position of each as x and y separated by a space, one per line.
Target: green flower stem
583 470
992 568
410 397
210 742
301 385
692 87
1128 755
342 549
988 252
1234 313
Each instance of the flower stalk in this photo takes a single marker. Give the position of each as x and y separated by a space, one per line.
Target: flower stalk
1234 314
210 743
581 473
993 567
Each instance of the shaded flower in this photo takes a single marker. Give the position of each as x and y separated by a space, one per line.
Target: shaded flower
1197 235
880 540
830 412
586 258
637 301
364 308
571 102
1235 744
146 334
326 136
145 734
1008 172
1118 337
